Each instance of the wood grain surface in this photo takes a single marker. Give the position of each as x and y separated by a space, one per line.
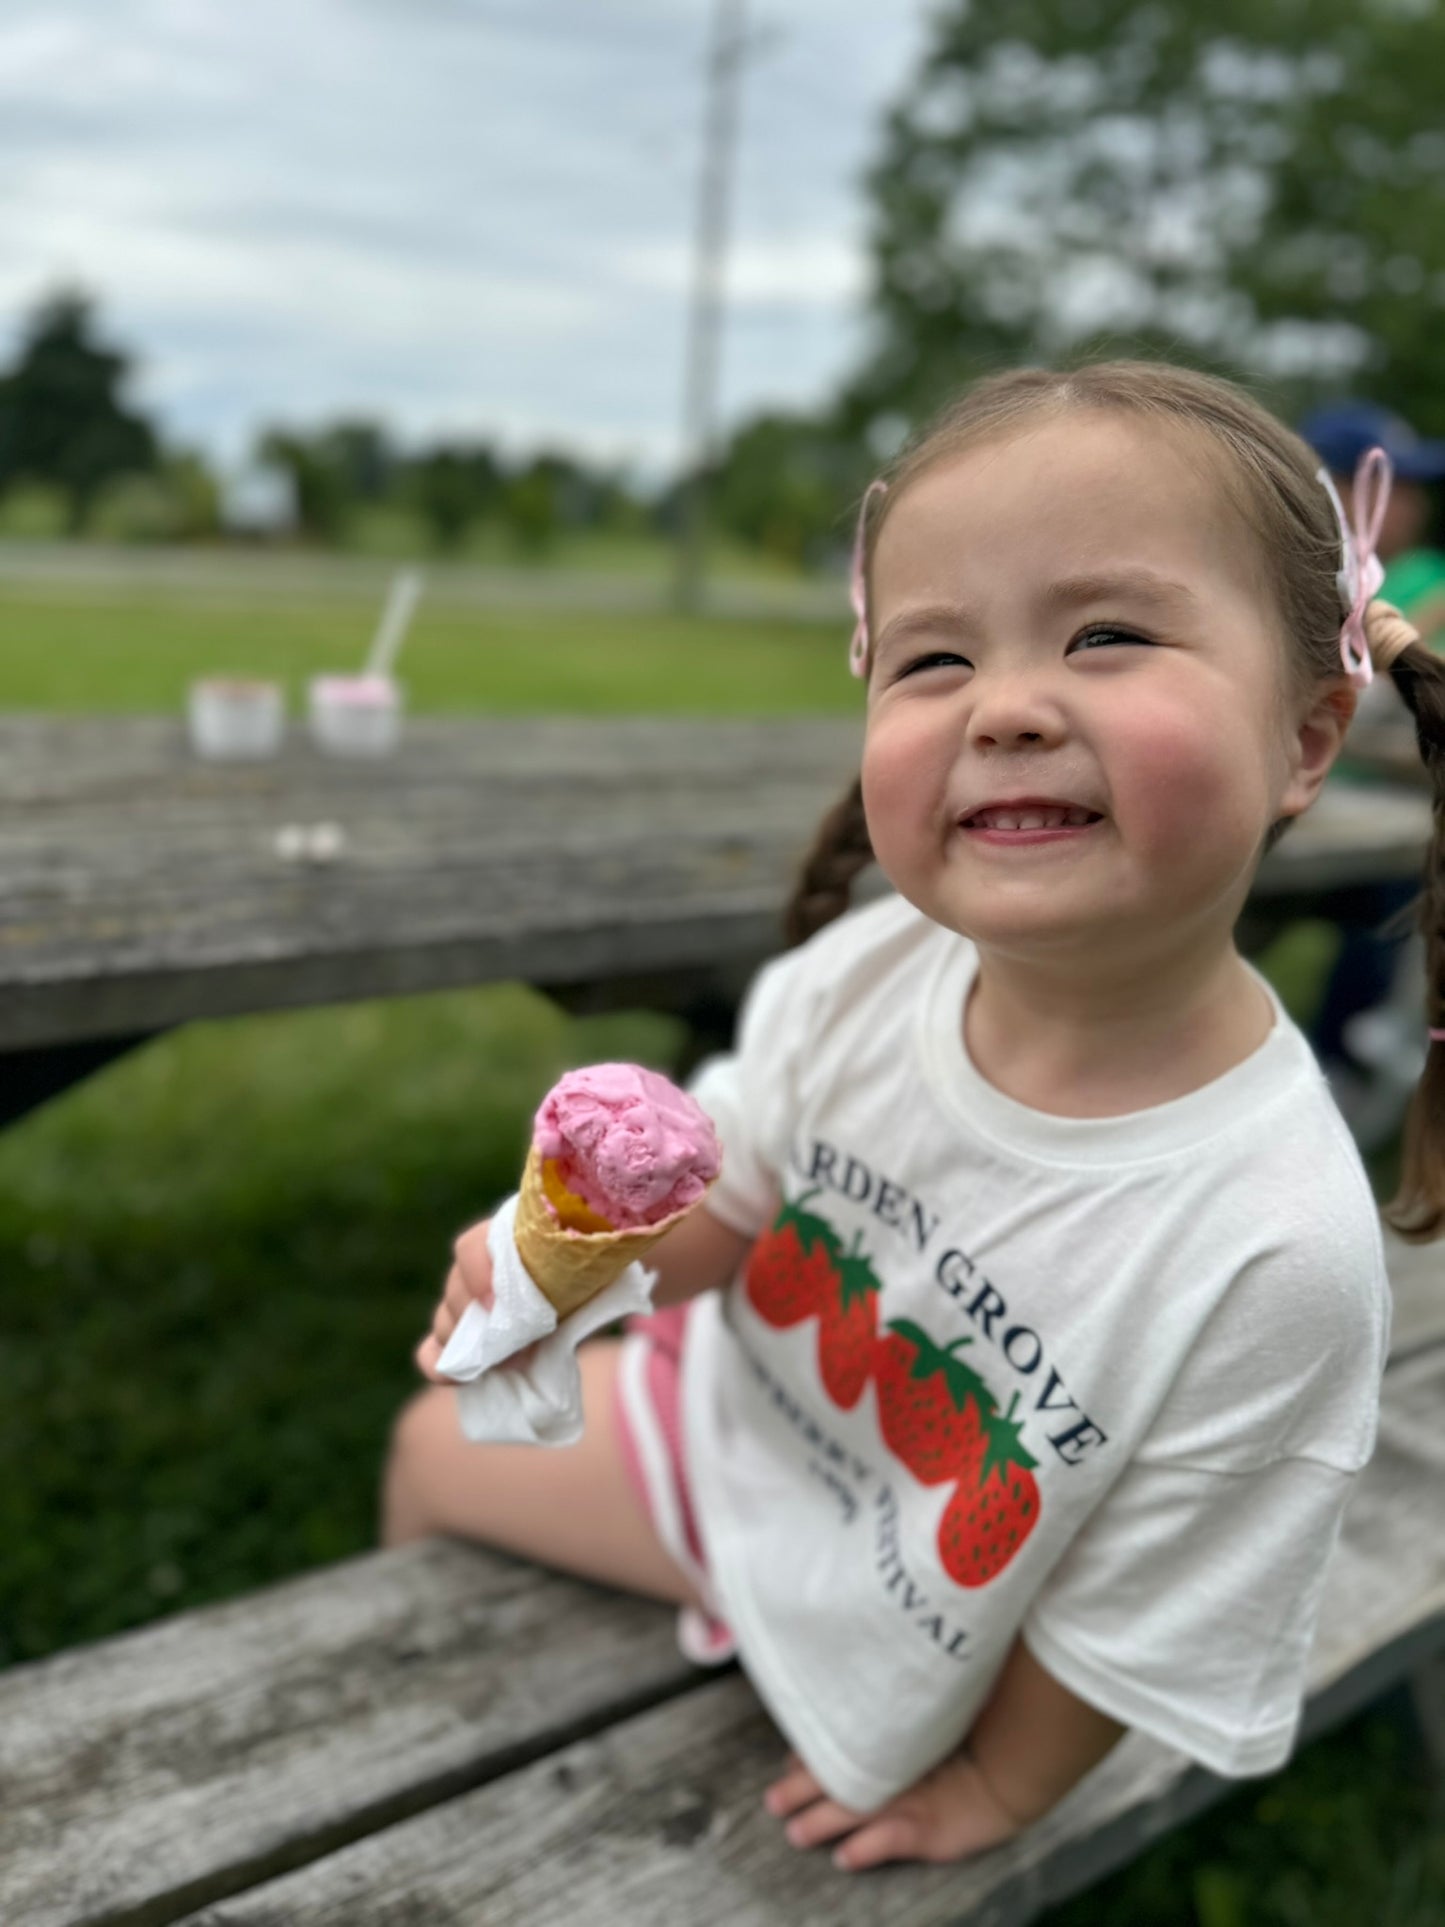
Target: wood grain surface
141 888
658 1821
142 1774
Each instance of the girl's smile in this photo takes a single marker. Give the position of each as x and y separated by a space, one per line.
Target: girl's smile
1027 820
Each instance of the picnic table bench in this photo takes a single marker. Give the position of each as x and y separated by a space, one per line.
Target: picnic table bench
441 1734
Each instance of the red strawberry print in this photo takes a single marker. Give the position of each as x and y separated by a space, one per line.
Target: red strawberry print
994 1509
931 1405
848 1326
790 1270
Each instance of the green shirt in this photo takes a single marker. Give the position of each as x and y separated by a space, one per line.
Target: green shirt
1411 580
1415 577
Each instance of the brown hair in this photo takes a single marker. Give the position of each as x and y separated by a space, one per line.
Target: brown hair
1270 477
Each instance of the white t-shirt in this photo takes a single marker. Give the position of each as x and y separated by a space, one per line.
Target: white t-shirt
1176 1323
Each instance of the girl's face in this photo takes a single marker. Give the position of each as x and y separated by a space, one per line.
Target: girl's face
1079 729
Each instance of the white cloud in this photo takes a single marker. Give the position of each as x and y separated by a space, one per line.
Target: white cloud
449 213
803 271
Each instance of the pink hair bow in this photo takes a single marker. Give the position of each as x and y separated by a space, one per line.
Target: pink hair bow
1361 575
858 584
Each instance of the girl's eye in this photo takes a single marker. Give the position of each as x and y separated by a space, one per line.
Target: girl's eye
935 659
1106 633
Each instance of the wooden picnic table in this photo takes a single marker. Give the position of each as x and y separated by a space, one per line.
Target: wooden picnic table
635 860
1388 750
441 1735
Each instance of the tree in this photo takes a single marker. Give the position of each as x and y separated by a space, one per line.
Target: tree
62 419
361 451
323 498
529 507
1254 187
785 482
453 487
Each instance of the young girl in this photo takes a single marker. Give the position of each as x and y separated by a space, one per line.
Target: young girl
1020 1362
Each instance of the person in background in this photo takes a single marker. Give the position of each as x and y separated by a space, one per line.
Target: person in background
1340 433
1370 1058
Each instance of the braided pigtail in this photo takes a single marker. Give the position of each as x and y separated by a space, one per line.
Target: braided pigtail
840 850
1418 1209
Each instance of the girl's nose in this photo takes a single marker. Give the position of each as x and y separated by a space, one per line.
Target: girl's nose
1013 712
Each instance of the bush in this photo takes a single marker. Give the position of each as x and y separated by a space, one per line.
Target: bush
35 512
134 508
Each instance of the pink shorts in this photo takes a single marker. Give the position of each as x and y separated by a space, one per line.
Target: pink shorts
649 1428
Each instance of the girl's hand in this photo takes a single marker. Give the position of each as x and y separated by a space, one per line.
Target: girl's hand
949 1815
468 1281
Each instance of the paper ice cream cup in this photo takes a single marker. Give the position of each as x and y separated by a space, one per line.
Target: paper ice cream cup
354 715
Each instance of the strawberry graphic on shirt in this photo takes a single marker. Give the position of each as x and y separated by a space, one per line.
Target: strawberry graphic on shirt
791 1269
848 1326
994 1507
931 1405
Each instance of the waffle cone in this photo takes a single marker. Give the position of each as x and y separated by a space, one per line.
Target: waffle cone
569 1267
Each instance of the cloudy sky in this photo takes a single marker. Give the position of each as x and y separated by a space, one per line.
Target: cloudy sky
459 215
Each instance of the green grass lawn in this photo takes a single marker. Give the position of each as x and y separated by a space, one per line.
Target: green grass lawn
218 1254
137 652
396 534
217 1257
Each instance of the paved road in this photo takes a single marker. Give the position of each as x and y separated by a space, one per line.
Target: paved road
232 576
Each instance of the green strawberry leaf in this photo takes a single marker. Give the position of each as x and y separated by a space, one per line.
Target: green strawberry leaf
856 1276
1005 1448
962 1381
810 1228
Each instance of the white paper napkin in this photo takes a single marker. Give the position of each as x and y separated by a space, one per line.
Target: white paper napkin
540 1402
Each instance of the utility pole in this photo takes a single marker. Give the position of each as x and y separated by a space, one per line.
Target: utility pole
724 65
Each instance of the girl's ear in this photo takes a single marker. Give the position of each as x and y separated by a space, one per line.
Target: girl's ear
1316 740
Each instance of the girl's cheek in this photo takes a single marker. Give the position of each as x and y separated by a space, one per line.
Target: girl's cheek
885 807
904 776
1183 783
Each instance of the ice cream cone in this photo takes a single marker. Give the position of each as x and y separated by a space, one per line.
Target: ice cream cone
573 1213
569 1267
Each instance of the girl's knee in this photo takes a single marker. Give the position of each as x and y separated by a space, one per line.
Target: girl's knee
405 1514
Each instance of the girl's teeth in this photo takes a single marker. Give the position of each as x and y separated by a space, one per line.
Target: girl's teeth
1033 819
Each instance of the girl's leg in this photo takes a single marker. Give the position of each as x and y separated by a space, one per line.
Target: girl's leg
571 1506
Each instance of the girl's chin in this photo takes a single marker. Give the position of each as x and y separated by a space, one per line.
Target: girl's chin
1021 929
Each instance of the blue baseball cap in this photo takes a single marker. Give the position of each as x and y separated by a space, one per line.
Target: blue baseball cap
1340 432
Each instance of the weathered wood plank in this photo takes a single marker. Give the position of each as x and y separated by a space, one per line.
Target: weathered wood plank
658 1820
1417 1285
1388 751
1350 835
140 888
143 1774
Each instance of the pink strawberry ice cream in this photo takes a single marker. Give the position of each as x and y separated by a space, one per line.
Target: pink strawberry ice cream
629 1144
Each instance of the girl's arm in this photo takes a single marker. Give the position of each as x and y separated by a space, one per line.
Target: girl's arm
1035 1739
701 1254
1032 1741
